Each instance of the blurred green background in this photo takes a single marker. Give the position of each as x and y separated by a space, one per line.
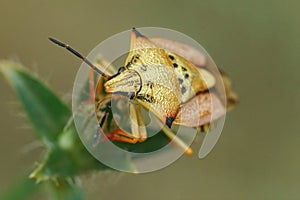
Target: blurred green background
255 42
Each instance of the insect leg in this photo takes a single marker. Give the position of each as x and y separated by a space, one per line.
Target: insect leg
138 130
176 140
133 121
171 135
137 124
142 128
204 128
102 115
122 136
103 65
100 126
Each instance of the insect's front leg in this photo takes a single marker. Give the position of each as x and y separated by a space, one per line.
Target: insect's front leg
177 141
138 129
136 121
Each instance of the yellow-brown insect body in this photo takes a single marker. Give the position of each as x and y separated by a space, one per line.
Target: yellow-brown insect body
149 77
192 79
160 80
166 83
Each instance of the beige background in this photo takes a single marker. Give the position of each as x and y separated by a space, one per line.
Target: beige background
255 42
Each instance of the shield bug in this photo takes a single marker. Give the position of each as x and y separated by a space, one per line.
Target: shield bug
162 79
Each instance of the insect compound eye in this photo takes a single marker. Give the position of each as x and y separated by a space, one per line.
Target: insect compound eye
121 69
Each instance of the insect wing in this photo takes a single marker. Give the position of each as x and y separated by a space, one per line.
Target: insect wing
202 109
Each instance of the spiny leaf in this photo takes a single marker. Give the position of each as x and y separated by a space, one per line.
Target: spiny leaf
22 189
69 158
47 113
50 116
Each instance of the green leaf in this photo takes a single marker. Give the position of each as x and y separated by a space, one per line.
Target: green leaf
69 158
47 113
22 189
50 116
66 156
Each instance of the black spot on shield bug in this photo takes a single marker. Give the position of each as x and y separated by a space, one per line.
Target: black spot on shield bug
121 69
171 57
169 121
180 80
183 90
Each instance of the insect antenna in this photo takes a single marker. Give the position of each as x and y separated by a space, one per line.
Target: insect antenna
76 53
